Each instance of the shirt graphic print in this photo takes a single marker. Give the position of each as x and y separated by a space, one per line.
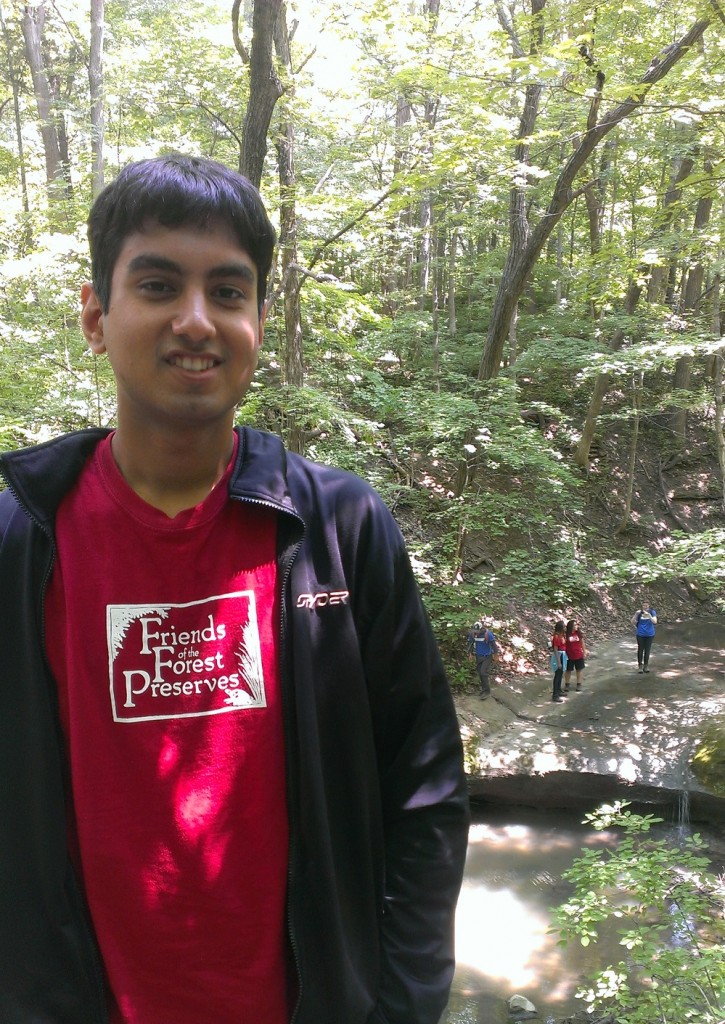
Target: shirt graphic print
185 660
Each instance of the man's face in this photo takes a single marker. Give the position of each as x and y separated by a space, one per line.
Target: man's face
182 331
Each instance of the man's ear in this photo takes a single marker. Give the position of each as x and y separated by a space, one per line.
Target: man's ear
92 318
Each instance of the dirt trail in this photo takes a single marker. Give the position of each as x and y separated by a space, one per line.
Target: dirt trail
640 728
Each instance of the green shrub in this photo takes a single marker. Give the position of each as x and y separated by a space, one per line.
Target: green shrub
668 907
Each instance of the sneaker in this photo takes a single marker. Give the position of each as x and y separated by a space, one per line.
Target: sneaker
578 686
558 700
566 689
484 696
645 670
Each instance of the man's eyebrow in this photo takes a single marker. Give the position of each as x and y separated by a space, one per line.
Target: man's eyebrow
148 261
241 270
151 261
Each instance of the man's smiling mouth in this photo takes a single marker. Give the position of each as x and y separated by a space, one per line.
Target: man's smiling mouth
195 363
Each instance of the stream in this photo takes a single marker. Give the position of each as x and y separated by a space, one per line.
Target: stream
512 880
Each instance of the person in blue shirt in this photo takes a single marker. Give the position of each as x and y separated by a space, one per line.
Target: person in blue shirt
482 643
645 620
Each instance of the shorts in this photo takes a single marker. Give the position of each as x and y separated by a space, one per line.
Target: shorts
575 663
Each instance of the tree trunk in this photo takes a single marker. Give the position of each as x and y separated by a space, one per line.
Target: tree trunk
513 337
681 168
294 357
691 304
602 382
95 81
265 87
428 227
425 250
32 26
391 273
27 235
438 303
629 487
719 412
452 256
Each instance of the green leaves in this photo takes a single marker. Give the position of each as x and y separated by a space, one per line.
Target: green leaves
698 559
670 906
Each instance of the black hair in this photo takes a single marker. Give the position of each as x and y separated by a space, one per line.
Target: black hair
570 628
559 626
174 190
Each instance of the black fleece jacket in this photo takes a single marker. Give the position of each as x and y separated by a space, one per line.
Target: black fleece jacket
376 792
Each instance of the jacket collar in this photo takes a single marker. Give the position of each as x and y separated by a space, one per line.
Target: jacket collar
260 471
41 476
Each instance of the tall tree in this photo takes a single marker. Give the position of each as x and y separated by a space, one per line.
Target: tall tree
289 269
265 87
45 87
95 81
15 86
527 243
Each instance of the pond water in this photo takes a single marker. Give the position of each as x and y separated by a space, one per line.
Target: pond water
512 881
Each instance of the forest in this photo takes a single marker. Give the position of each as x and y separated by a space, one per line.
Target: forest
499 283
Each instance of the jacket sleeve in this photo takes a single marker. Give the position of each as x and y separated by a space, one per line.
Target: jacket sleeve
424 797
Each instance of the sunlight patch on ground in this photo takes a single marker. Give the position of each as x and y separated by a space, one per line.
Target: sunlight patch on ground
714 706
634 751
547 759
503 951
626 768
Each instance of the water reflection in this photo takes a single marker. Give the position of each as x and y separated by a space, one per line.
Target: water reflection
513 880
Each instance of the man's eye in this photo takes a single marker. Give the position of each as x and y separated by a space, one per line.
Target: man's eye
230 293
156 286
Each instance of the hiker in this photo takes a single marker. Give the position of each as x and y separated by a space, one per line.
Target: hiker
232 771
558 659
575 654
481 643
645 620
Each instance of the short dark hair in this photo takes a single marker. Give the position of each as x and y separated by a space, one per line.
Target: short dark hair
174 190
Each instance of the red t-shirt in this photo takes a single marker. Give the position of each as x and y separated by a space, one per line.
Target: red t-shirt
558 642
575 646
162 635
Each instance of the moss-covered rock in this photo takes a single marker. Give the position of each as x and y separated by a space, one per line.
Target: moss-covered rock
708 762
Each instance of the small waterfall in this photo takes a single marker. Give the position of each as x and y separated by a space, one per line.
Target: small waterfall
683 811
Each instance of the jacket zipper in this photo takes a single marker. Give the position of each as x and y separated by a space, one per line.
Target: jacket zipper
292 824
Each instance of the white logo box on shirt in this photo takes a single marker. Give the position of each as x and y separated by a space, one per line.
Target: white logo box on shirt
185 660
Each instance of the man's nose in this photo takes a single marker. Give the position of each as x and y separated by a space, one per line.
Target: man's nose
192 318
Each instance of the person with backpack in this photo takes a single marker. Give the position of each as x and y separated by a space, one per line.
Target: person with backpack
645 620
482 643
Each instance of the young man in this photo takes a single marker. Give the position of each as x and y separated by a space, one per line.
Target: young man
232 786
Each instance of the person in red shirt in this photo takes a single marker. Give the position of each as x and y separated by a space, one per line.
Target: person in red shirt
558 659
234 774
576 652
